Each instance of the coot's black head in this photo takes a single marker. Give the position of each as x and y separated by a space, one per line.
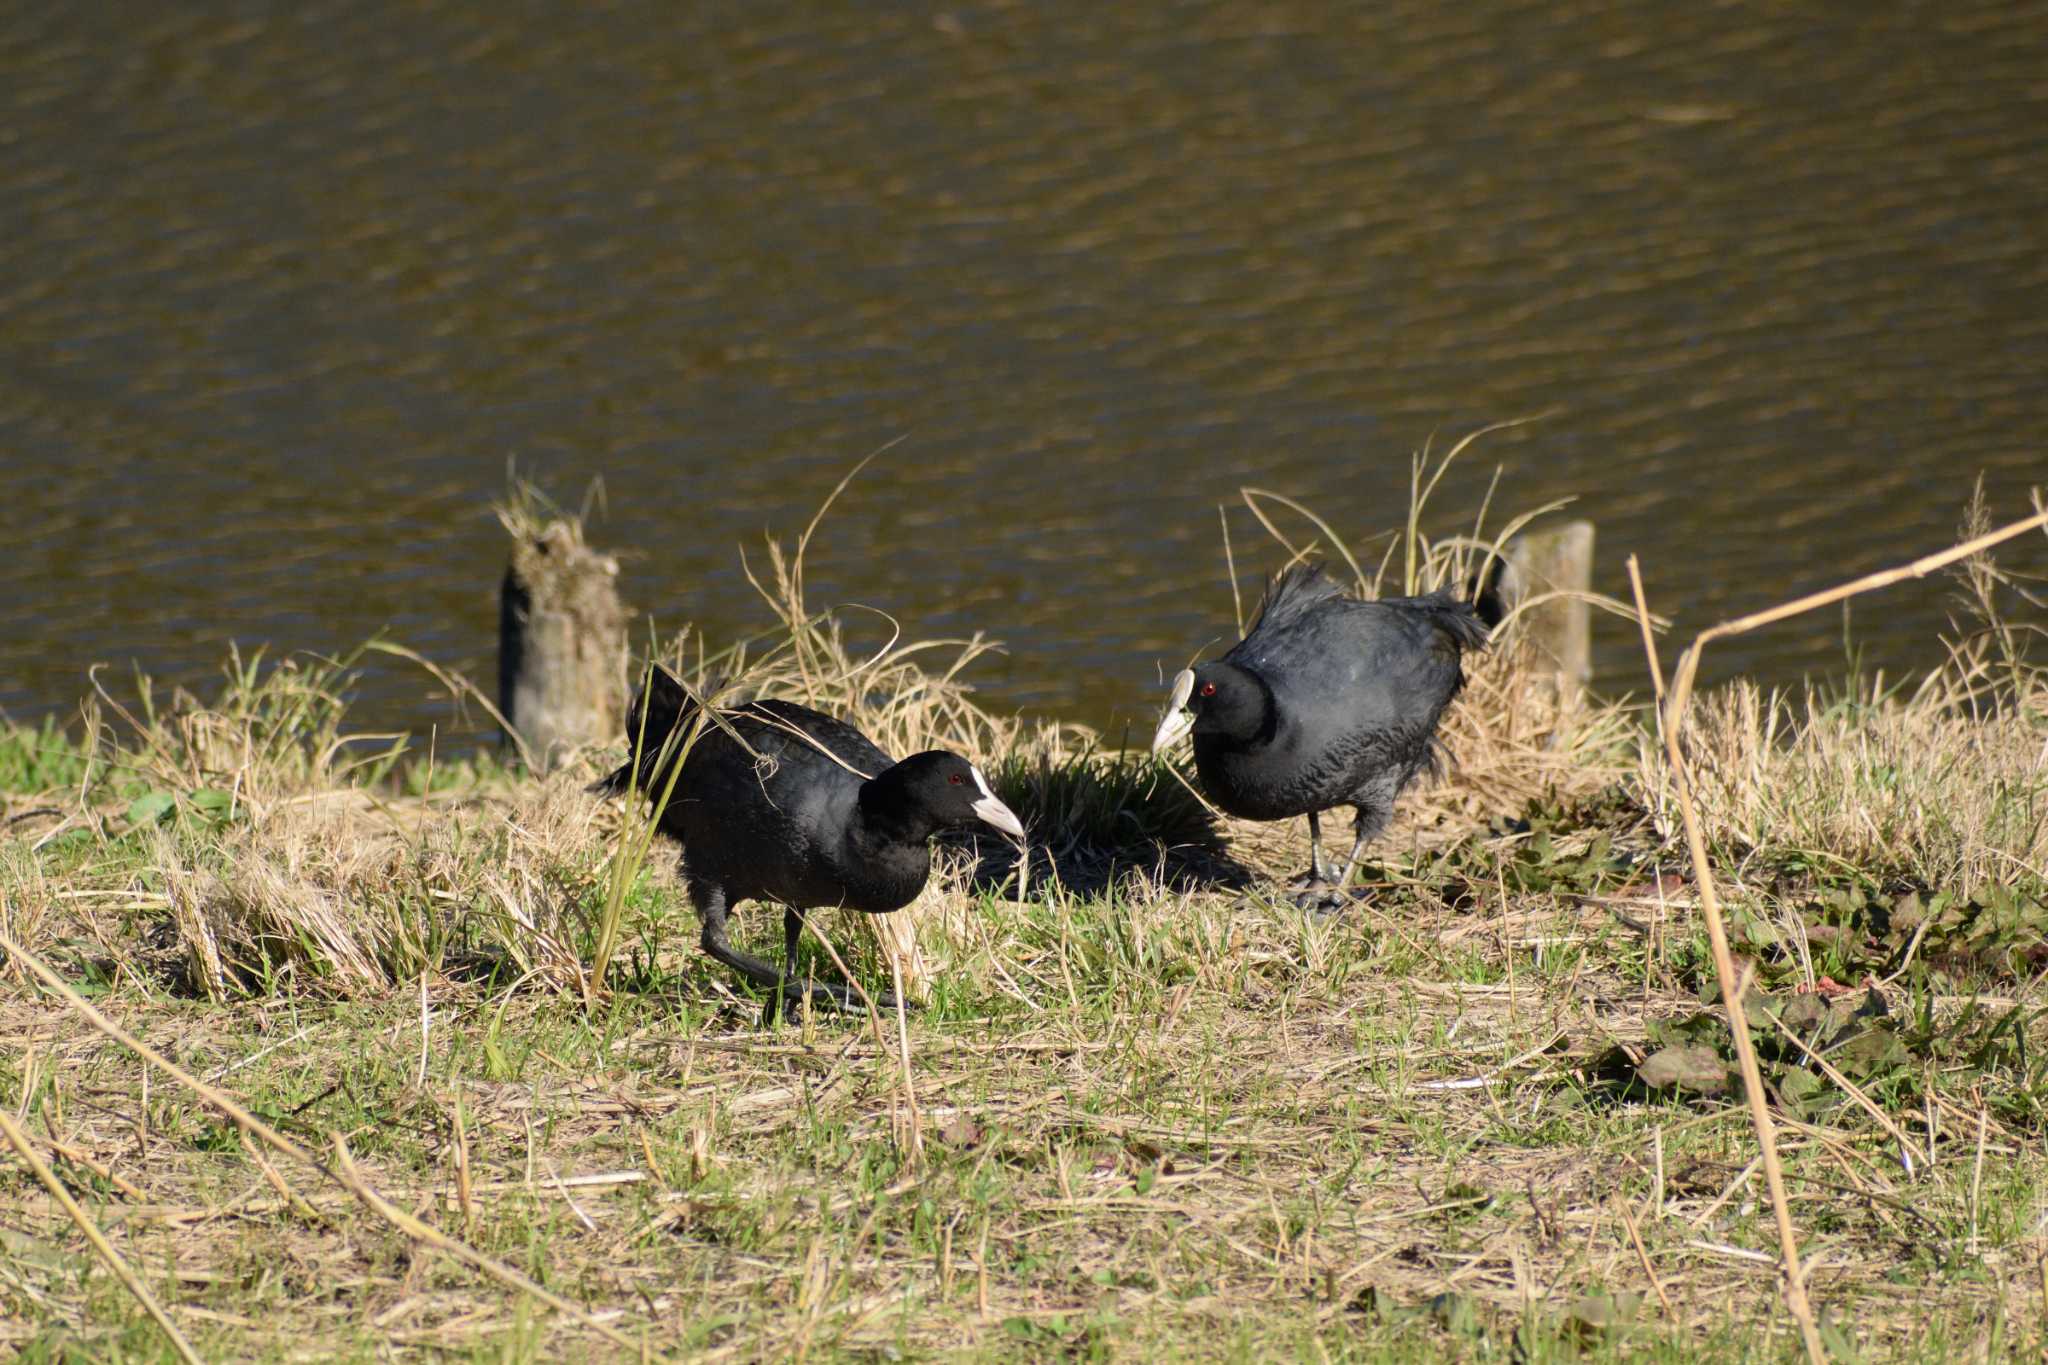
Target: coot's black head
936 790
1213 699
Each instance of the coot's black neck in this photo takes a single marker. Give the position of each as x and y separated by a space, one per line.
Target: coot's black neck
887 810
888 848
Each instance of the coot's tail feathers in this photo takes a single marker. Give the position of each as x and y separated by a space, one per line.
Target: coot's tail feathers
667 708
1451 615
1459 625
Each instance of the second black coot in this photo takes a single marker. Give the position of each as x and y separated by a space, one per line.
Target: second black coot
794 807
1327 701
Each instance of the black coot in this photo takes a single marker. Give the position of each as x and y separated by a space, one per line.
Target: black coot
814 816
1327 701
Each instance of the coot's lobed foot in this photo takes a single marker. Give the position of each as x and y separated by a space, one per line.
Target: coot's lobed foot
823 995
1321 898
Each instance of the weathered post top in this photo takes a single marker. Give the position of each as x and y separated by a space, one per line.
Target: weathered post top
561 639
1549 559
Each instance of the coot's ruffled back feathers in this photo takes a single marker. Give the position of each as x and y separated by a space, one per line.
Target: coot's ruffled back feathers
1323 639
670 710
1292 594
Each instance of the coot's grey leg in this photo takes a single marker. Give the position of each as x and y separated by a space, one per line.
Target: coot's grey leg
792 933
1372 821
1319 872
711 911
793 989
1327 892
1314 889
786 985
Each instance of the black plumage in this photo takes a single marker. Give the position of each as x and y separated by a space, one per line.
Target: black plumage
786 804
1327 701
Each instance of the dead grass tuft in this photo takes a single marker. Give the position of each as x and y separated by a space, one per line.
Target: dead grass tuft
1941 784
351 894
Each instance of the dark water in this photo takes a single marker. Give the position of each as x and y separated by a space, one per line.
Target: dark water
281 289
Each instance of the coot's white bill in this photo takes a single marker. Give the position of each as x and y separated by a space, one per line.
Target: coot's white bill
995 812
1178 720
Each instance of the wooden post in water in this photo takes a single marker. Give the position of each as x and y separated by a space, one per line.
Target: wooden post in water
1547 559
561 639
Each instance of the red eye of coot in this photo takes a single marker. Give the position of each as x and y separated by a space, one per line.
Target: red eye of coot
1208 689
955 778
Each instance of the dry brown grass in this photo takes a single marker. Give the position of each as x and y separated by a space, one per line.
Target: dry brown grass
1939 782
1157 1113
349 895
1915 786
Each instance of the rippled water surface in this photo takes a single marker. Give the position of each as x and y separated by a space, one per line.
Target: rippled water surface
281 289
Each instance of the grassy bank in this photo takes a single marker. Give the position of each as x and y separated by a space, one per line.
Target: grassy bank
1146 1111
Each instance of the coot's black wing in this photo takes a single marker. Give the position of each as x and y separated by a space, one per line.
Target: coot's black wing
1312 642
789 731
1414 650
1356 682
783 730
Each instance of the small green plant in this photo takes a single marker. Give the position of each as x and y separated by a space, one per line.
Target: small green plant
44 759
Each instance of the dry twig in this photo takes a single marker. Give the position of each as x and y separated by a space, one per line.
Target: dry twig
1731 997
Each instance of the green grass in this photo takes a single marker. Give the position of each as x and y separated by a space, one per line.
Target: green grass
40 760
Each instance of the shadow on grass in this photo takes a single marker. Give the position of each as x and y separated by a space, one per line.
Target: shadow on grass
1099 821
